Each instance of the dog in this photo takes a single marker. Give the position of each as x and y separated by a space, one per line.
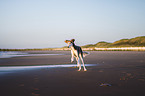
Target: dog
76 51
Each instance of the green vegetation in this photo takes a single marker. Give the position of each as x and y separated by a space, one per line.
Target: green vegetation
133 42
99 44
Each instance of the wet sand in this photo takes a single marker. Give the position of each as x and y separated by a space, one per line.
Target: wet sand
124 71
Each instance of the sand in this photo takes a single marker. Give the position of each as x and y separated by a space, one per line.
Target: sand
123 70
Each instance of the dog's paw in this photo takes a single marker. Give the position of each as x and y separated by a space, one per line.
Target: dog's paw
72 60
85 69
79 70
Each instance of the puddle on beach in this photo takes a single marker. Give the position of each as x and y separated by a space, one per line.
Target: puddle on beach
10 54
105 85
11 69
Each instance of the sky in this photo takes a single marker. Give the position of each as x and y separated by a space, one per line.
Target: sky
48 23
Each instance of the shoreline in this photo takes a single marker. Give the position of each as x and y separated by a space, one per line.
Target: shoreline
65 58
85 49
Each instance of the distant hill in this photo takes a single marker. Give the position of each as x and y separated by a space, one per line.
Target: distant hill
133 42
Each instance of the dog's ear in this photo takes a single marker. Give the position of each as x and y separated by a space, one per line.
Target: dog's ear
72 40
66 41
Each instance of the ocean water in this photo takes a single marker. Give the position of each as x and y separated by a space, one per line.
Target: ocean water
12 69
10 54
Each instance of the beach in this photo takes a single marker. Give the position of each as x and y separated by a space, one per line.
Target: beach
113 73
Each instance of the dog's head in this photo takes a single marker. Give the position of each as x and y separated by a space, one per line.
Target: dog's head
69 42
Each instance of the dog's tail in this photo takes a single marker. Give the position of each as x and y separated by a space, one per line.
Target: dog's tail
85 53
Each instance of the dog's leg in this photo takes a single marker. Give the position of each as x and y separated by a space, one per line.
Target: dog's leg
79 64
72 56
83 62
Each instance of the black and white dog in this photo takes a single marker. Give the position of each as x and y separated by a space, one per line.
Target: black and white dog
77 52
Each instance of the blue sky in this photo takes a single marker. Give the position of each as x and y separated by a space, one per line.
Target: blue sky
47 23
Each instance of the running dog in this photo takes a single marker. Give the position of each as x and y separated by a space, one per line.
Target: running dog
76 52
